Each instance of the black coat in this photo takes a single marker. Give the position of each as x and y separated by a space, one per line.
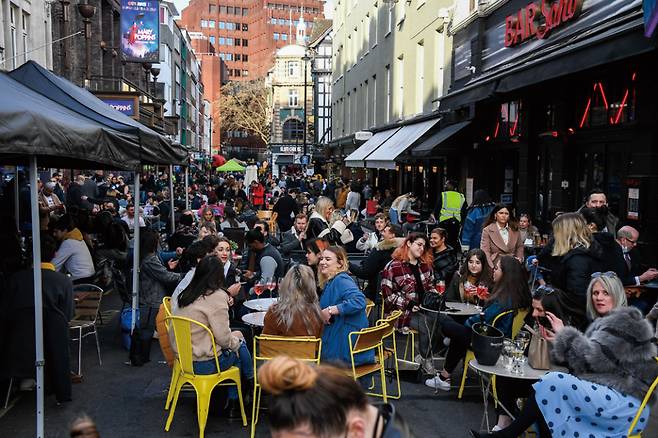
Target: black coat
371 267
445 265
284 207
612 257
17 341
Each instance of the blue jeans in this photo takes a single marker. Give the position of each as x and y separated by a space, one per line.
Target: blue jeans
534 271
227 359
393 215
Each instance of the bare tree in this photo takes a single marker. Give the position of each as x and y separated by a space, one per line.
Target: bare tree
243 106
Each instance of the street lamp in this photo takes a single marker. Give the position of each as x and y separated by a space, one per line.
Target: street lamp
147 68
87 11
155 71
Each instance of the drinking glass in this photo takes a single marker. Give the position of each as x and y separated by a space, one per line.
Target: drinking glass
259 287
518 359
523 338
508 347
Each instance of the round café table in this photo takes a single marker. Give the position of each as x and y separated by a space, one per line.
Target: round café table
487 371
452 308
260 304
255 319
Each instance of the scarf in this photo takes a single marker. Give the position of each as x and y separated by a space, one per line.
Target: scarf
48 266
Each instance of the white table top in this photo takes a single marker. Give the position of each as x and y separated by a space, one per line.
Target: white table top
255 319
457 309
260 304
529 373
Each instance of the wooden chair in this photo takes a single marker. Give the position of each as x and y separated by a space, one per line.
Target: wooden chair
370 338
203 384
267 347
645 401
87 307
517 324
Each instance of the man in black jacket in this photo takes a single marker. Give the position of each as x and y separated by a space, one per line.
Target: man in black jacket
293 239
285 207
371 268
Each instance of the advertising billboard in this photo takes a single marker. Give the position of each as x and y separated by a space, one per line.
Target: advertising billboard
140 31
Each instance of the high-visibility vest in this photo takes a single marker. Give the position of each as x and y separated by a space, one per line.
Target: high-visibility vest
451 205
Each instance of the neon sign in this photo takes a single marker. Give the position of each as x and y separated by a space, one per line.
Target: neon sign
538 19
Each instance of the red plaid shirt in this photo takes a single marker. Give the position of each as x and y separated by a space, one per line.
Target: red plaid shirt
399 288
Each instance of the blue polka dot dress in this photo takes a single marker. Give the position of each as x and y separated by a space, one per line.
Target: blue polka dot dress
577 408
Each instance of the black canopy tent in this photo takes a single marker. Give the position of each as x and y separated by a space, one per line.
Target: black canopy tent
37 129
155 148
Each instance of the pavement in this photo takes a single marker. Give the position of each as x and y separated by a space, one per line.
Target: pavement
129 401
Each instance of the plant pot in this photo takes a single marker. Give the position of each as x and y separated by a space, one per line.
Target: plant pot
487 343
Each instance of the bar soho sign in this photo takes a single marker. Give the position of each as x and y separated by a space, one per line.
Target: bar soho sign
538 19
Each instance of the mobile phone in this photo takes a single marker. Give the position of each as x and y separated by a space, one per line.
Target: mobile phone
544 322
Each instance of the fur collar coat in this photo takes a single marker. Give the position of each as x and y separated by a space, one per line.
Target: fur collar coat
617 350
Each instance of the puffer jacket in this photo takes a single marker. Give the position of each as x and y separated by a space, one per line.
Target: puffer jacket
445 265
617 351
155 281
473 224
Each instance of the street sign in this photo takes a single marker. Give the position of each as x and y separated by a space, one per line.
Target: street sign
362 135
304 160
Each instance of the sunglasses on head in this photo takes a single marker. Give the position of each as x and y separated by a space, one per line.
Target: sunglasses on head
543 291
608 274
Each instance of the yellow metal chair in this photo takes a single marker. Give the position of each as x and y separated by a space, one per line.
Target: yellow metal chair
203 384
370 338
517 324
175 369
370 304
267 347
392 352
642 406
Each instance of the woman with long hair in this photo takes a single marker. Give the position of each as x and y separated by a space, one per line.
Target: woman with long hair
576 257
323 402
343 308
473 273
231 220
320 224
500 236
297 312
612 364
314 248
206 300
510 292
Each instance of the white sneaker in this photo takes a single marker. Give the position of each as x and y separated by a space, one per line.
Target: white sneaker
426 364
437 382
496 428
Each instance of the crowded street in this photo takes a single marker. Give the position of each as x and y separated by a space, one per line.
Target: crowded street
325 219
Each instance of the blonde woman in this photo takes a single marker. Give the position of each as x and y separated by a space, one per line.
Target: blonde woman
577 256
297 313
343 307
320 224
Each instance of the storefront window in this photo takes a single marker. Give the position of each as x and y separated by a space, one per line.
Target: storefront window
507 122
612 101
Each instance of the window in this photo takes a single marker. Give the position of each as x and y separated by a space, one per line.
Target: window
230 10
222 41
420 76
389 19
245 72
245 58
276 36
211 39
400 85
237 41
222 10
293 129
229 41
26 18
212 9
211 24
230 72
273 20
222 25
229 57
387 114
204 23
238 56
245 27
230 26
293 68
12 22
237 26
245 11
281 21
244 42
293 97
236 72
222 56
373 122
284 36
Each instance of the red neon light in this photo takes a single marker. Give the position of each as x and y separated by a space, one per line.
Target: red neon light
621 107
554 134
582 121
605 101
487 138
496 130
634 76
516 124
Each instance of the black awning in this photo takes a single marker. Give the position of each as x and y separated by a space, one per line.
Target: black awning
425 148
478 90
155 148
613 45
285 159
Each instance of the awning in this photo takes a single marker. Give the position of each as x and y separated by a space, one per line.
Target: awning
425 148
358 157
385 155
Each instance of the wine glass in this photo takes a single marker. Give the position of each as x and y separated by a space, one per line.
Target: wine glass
268 283
523 337
518 359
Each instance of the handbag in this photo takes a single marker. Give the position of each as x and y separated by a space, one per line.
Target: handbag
538 357
433 301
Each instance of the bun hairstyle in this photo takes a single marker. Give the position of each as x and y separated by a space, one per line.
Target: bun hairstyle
318 397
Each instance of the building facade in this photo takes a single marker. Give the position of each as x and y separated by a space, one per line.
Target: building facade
320 49
291 135
26 33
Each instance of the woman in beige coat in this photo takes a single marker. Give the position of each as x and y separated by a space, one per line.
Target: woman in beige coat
501 236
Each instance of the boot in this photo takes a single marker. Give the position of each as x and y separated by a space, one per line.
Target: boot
145 350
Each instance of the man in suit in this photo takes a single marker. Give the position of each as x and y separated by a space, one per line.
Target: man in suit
627 238
293 239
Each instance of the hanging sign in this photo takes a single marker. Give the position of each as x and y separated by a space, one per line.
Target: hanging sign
538 19
140 31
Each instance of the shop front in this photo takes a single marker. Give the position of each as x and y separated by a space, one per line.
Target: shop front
561 102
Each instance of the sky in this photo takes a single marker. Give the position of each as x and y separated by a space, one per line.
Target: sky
181 4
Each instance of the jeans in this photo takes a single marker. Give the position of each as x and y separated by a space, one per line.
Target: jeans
460 340
393 215
533 269
227 359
